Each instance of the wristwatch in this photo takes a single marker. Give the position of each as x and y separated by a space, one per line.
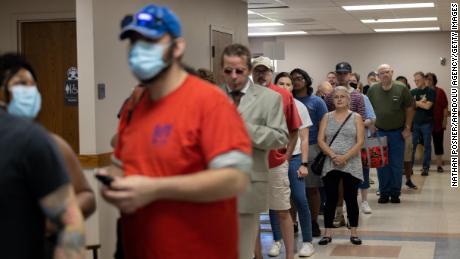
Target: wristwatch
305 164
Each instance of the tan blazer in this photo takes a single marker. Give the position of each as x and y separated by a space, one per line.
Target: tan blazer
262 112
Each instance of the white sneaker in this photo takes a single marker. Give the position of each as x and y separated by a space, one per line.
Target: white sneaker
366 208
306 250
275 249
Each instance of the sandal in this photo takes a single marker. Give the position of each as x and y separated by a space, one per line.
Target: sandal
325 241
356 240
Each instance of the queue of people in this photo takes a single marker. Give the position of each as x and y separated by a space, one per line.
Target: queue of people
204 161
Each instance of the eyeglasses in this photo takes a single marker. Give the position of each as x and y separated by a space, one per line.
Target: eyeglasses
238 71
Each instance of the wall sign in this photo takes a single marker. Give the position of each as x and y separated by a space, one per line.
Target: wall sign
71 87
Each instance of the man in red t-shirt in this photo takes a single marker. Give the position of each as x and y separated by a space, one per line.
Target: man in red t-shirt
440 114
279 191
182 149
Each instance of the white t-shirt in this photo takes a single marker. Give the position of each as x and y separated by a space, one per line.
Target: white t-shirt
306 123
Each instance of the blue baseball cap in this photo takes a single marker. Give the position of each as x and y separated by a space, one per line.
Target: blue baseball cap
151 21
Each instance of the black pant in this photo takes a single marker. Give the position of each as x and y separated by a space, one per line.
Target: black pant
350 195
438 141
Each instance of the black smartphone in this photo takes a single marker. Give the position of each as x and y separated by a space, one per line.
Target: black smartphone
104 179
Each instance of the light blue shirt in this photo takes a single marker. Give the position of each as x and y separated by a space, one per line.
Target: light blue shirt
369 112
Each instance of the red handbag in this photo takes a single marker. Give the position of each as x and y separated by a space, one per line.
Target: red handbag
374 154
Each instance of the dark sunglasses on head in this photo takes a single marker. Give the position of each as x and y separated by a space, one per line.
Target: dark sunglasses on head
238 71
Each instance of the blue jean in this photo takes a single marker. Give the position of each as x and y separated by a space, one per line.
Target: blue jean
365 184
423 130
390 176
299 197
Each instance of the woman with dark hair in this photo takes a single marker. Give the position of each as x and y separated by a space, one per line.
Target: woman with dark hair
403 80
316 106
408 148
440 118
21 98
298 169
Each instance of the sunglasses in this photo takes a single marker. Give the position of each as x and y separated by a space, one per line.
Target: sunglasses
145 20
238 71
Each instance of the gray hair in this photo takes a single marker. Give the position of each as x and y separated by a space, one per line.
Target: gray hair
344 90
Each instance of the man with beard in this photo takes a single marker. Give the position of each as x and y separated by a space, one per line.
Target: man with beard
182 152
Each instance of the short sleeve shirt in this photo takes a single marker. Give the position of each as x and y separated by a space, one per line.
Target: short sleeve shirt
440 104
356 105
316 108
421 115
306 123
30 169
180 134
276 157
390 106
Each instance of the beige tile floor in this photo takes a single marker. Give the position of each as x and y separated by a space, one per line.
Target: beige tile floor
426 224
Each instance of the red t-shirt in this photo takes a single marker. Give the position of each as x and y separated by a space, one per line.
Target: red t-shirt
293 121
179 135
440 104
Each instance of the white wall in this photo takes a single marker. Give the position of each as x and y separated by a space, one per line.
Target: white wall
110 54
405 52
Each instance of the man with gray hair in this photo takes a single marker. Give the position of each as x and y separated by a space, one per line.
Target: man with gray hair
393 105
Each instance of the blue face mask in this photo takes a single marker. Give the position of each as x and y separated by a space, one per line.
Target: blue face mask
26 101
146 60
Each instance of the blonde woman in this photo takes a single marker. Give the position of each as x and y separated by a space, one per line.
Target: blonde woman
343 161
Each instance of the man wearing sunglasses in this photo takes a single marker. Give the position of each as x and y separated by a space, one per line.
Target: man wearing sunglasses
182 150
262 112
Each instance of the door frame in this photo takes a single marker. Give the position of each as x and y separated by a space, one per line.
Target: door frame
218 28
18 19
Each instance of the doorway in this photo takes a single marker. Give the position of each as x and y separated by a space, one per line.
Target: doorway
220 38
51 48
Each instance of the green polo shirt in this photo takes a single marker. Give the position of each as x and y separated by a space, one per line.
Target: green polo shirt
390 106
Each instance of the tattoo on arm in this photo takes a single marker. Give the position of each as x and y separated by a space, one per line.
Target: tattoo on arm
61 208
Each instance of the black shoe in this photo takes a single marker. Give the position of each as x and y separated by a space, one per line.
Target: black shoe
324 241
411 185
425 172
356 240
315 231
395 199
383 199
296 228
440 169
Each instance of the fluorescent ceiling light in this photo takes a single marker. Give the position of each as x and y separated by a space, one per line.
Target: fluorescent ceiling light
420 19
265 24
261 34
408 29
386 6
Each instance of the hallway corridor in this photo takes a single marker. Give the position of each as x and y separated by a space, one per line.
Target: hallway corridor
425 225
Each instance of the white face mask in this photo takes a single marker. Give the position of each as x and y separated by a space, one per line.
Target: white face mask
25 102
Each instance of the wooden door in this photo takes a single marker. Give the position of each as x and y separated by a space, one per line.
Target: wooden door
220 40
51 48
